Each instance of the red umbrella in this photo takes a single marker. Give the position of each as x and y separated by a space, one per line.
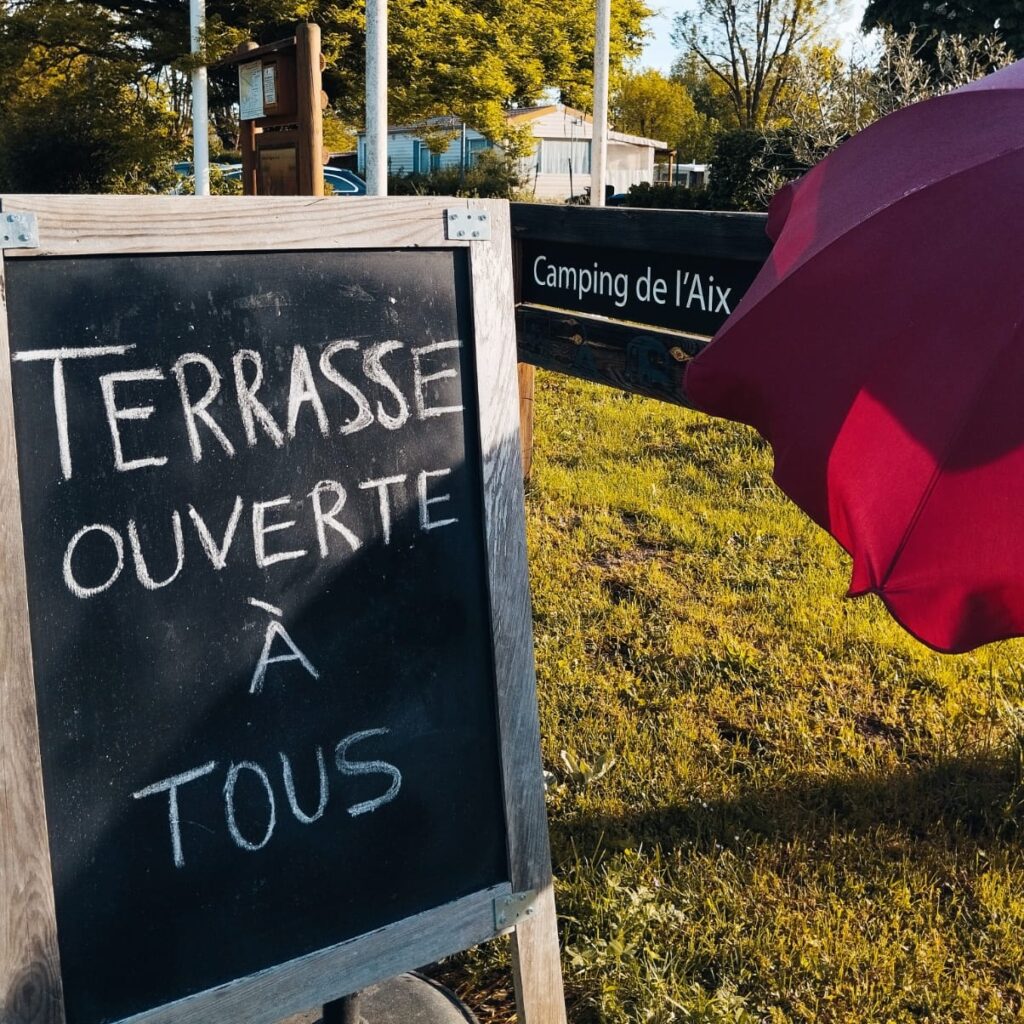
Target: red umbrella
881 353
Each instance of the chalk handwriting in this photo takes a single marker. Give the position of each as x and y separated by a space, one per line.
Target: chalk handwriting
276 629
391 392
261 783
270 520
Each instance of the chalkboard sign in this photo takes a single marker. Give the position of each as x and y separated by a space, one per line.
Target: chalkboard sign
271 526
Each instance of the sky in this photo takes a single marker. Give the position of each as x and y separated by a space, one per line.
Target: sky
660 53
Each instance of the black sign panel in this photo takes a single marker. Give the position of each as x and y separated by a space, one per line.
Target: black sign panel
253 527
693 294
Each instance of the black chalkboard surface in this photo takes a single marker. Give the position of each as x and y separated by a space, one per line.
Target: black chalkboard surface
253 523
259 623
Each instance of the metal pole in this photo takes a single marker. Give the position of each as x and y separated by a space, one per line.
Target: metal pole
599 146
200 110
376 97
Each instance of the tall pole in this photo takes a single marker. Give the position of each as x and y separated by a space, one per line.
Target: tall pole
200 110
599 145
376 97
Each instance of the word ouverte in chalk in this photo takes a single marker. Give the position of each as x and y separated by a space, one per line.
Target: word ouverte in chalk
178 787
280 529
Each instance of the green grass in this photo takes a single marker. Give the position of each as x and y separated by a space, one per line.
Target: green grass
767 802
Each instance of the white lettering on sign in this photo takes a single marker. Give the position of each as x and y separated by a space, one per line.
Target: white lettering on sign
692 291
347 767
364 414
192 410
170 787
73 584
251 409
219 425
582 280
374 370
136 412
324 519
260 531
274 630
216 409
319 519
289 789
141 569
60 402
384 500
423 409
229 805
426 523
217 553
261 794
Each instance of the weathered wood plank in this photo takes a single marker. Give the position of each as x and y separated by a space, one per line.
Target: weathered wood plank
631 357
733 236
30 988
536 956
332 973
96 225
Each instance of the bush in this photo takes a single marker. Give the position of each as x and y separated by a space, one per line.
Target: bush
493 175
748 167
666 197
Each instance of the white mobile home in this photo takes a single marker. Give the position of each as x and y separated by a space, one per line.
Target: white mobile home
560 163
558 167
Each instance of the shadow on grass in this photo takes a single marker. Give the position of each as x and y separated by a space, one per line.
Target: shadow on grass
977 798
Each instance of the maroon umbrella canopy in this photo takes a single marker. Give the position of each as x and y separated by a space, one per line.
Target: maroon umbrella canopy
881 353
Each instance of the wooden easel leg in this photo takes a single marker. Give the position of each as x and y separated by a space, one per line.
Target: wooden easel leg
536 967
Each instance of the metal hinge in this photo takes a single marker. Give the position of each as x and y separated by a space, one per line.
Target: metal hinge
19 231
468 225
511 909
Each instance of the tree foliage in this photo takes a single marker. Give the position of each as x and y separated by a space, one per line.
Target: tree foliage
77 111
469 59
649 104
968 19
749 47
827 99
101 86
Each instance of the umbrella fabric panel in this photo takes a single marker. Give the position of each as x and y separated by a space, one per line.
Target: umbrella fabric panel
962 567
869 368
910 151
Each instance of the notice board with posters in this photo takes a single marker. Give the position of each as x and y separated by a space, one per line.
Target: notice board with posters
269 727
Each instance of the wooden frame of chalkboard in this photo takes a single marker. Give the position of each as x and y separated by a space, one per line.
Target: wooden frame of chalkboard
90 228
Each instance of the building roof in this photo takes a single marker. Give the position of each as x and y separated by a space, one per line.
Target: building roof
527 114
522 115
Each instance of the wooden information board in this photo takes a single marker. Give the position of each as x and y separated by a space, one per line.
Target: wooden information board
268 728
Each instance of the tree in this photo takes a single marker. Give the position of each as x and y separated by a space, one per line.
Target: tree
77 113
750 46
827 99
471 59
965 18
649 104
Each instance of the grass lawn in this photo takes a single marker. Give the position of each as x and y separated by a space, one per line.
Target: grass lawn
767 802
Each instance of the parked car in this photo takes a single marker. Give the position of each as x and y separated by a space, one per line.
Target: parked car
341 182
